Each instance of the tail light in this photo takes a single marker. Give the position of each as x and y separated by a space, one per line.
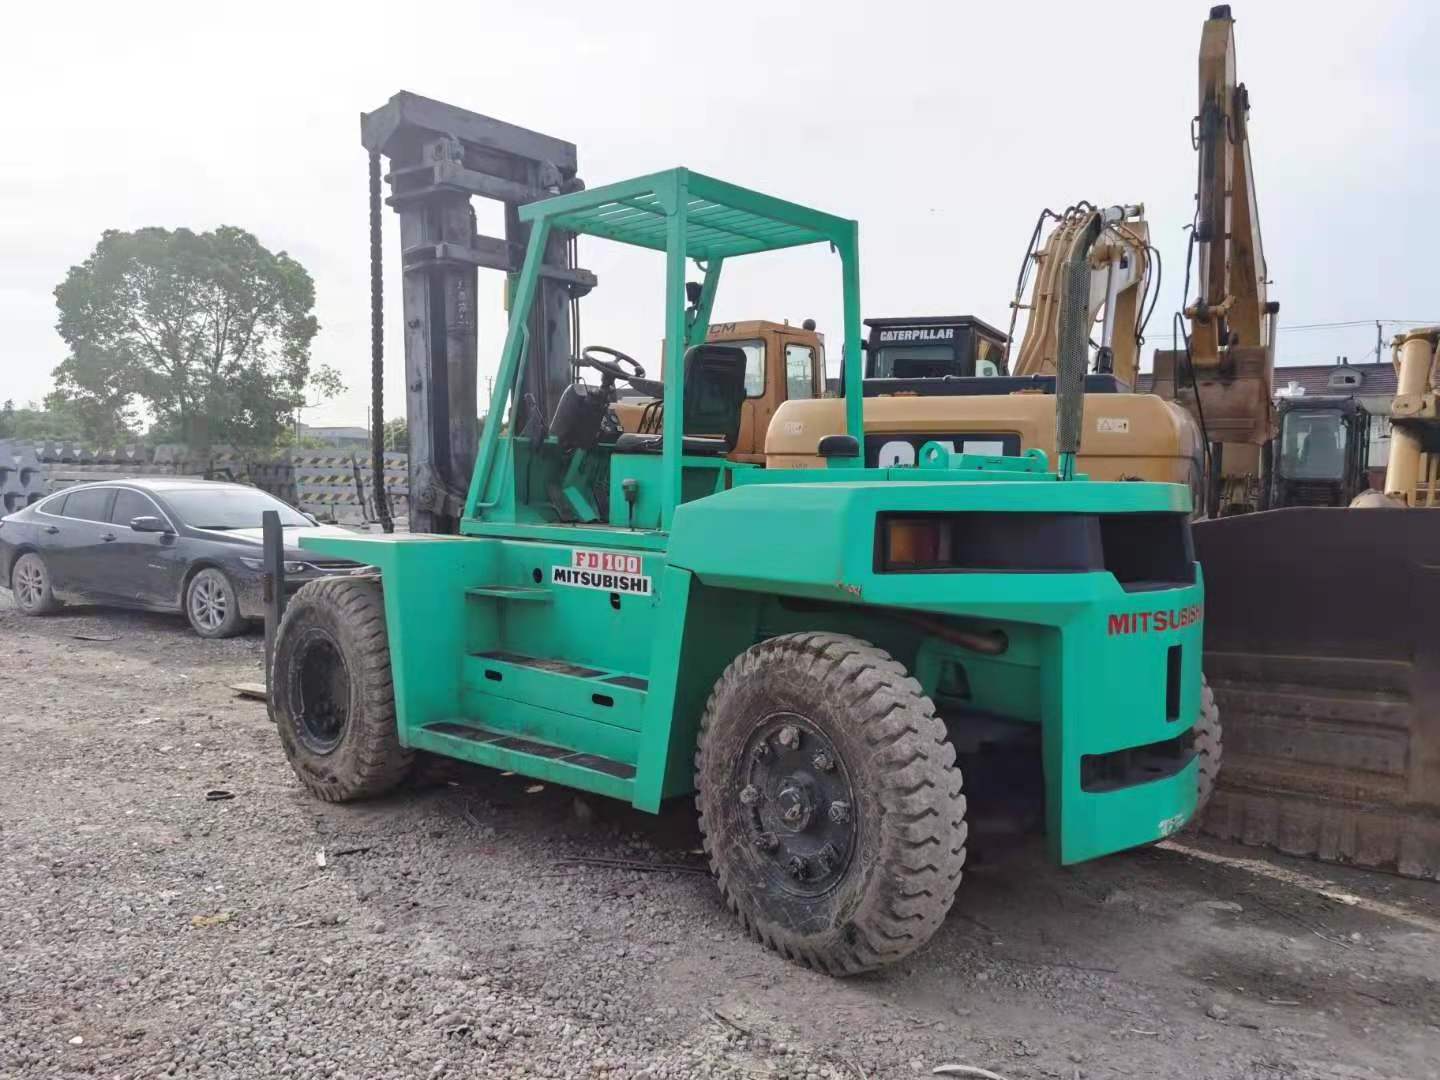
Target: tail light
1142 550
915 543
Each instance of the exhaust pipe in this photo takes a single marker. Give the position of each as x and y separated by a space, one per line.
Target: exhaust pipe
1073 351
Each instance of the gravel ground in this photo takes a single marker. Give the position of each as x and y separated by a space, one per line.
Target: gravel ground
146 931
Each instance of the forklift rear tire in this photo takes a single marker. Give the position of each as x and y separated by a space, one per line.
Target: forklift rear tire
830 804
334 698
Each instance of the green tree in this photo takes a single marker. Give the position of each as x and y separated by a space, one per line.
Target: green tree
397 434
104 418
54 421
210 331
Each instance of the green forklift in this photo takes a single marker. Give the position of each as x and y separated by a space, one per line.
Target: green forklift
803 651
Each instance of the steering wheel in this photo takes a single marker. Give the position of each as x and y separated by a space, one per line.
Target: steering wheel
612 366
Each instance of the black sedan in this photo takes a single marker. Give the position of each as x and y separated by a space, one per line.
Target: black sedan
190 546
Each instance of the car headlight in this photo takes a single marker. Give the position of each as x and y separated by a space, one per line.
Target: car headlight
290 567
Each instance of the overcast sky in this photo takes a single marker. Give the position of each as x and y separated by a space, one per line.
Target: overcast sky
943 128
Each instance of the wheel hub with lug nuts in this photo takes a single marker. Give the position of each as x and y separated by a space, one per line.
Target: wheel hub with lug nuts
796 799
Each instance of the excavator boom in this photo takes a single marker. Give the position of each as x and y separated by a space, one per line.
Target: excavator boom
1224 371
1230 310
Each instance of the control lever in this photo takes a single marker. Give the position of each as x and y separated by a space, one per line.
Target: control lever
631 488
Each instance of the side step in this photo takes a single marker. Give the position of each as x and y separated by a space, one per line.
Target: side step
534 594
530 757
564 667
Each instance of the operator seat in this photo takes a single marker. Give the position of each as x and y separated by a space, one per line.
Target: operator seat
714 392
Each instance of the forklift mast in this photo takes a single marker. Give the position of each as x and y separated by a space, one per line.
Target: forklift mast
439 157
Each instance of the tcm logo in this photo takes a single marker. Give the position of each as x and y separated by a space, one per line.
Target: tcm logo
1154 622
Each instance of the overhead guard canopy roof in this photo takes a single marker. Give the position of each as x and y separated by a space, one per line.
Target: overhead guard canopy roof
720 219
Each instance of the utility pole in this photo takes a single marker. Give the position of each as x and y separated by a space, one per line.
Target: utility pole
1378 342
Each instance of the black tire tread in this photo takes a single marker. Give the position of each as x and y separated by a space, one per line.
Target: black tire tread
373 762
1209 745
923 830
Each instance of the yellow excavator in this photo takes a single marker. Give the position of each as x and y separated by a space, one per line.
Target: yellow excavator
951 378
1224 373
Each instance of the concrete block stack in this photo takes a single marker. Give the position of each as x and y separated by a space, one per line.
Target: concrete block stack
69 463
22 478
334 485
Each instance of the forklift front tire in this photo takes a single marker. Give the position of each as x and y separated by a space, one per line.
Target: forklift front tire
333 695
830 804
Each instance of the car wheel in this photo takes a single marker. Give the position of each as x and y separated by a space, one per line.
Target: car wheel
212 605
30 582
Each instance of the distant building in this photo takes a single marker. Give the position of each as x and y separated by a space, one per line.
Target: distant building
336 436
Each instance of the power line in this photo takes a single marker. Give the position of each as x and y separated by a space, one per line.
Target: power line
1352 323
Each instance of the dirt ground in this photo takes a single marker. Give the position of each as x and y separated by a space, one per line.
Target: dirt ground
146 931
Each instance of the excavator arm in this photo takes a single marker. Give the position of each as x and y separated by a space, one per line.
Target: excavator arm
1119 282
1225 373
1231 308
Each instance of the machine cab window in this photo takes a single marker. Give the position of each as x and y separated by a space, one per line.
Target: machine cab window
799 372
754 350
1314 446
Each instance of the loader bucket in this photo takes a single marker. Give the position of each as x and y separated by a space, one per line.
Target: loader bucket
1322 643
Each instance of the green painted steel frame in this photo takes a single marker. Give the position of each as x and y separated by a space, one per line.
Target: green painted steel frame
687 215
493 663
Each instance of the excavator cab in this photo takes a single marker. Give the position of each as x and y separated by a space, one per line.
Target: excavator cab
1320 453
931 347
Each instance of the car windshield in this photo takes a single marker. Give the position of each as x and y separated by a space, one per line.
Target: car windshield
230 508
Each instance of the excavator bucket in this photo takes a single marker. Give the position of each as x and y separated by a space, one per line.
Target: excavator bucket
1322 644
